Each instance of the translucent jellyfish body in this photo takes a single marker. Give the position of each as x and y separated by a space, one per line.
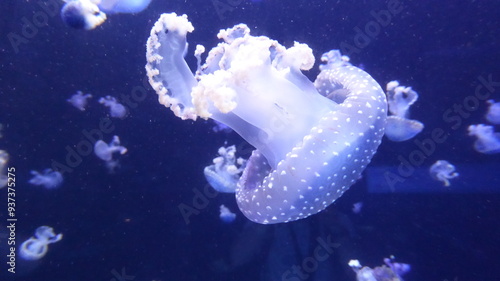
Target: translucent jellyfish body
49 178
443 171
399 127
226 215
88 14
488 141
116 109
79 100
225 172
36 247
309 148
105 151
391 271
493 115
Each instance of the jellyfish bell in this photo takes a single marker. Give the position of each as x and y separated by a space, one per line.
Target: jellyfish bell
88 14
309 149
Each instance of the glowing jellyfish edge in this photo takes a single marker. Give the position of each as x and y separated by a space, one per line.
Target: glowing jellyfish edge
247 83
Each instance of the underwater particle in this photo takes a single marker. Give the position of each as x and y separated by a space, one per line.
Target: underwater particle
48 178
36 247
488 141
79 100
225 172
226 215
256 86
493 114
356 207
443 171
116 109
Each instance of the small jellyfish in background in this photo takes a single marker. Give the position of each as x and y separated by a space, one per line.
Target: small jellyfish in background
399 127
79 100
4 158
357 207
226 215
49 178
391 271
493 115
488 141
443 171
116 109
36 247
224 173
105 151
88 14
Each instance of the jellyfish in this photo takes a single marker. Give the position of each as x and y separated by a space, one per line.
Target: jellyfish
399 127
49 178
391 271
309 149
79 100
36 247
4 158
224 173
226 215
105 151
493 115
443 171
116 109
88 14
488 141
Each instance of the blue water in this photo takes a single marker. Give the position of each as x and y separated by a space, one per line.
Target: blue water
129 221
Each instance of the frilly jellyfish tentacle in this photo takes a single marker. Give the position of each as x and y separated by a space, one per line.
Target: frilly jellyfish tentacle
309 149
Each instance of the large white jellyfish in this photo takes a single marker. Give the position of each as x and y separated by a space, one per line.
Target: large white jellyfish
116 109
224 173
79 100
443 171
105 151
36 247
493 115
399 127
49 178
309 149
488 141
88 14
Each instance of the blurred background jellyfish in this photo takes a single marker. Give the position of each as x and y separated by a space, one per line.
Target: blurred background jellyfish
88 14
79 100
36 247
309 149
399 99
224 173
116 109
443 171
105 151
226 215
49 178
493 115
488 141
391 271
4 158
